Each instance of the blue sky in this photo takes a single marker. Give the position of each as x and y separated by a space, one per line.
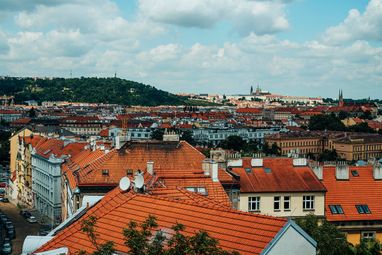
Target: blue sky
293 47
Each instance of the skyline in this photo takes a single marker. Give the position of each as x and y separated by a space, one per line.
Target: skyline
286 47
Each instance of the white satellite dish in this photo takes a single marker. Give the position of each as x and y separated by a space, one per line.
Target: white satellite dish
139 181
124 183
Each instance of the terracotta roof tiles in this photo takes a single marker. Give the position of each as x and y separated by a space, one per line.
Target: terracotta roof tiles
244 232
358 190
282 176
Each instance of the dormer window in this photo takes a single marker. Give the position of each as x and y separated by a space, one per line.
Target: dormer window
129 172
336 209
363 209
354 173
105 172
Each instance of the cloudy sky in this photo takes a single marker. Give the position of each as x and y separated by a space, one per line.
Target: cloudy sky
294 47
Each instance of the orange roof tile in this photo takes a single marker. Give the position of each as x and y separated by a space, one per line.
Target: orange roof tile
358 190
177 164
282 177
244 232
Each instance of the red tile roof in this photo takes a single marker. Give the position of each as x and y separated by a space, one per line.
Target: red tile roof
244 232
249 110
360 190
49 146
283 177
177 164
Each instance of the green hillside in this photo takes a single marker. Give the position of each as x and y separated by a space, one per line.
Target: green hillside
92 90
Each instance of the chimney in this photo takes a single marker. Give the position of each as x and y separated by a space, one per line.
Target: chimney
342 172
170 137
318 171
300 162
235 163
206 166
117 142
150 167
214 171
377 172
257 162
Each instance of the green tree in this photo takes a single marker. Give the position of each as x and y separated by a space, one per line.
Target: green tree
157 134
187 136
330 241
233 142
343 115
362 127
326 122
328 155
147 239
368 247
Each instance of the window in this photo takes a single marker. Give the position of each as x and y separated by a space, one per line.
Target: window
287 203
105 172
336 209
355 173
308 203
368 235
363 209
276 203
254 204
200 190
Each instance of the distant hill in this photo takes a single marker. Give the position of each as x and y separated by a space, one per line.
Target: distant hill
92 90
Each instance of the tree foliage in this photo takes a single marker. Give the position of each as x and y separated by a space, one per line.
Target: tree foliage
331 241
326 122
147 239
93 90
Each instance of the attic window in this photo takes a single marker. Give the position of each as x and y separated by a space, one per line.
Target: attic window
248 170
267 170
200 190
355 173
105 172
129 172
336 209
363 209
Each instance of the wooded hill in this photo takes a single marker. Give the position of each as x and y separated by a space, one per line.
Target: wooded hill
92 90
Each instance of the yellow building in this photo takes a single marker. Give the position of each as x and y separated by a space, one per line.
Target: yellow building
16 160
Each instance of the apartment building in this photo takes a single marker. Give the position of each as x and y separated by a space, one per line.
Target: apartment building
353 199
282 187
47 158
84 125
349 146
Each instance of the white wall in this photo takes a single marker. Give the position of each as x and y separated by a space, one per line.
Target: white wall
292 243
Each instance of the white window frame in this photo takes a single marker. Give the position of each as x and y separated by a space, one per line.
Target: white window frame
368 235
287 199
277 200
308 202
254 204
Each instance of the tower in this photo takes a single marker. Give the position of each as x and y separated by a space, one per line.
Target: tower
251 90
340 99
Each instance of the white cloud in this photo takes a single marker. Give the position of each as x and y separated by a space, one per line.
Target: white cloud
260 17
358 26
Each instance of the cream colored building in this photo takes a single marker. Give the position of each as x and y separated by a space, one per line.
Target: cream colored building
283 204
282 187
